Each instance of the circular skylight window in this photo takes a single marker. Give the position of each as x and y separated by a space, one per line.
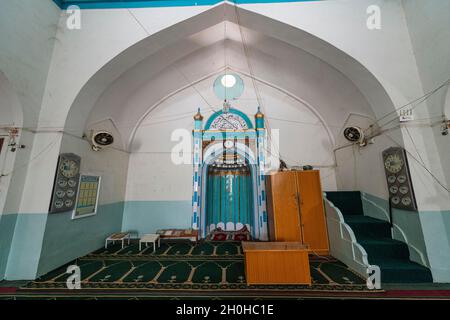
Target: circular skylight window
228 81
228 87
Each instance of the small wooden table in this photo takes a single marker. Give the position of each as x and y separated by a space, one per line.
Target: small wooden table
150 238
121 236
276 263
178 234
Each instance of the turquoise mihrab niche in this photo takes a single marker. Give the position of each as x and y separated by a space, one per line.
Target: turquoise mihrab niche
228 173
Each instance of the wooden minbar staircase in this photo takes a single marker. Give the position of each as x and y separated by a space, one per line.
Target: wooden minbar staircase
375 236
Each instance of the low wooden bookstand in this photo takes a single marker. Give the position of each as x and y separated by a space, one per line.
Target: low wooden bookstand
276 263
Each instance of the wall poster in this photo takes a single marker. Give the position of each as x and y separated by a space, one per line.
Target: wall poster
89 189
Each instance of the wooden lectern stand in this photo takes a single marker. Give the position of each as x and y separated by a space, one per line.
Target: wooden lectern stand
276 263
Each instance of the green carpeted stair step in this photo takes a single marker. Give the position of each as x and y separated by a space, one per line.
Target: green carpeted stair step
348 202
402 271
368 227
384 248
374 235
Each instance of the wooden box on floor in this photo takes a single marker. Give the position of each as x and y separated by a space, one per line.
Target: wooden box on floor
276 263
295 209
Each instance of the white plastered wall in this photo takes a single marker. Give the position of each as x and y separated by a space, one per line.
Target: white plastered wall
386 53
152 174
429 30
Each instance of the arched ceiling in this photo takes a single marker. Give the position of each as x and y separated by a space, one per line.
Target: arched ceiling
10 108
293 61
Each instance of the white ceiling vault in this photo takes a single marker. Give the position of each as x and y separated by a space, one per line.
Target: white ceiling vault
189 55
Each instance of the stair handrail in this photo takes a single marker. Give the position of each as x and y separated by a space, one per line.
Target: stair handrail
355 245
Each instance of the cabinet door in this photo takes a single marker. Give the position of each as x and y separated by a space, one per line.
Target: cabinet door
313 221
284 216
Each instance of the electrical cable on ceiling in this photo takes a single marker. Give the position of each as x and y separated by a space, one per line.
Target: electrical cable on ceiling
173 65
420 162
47 147
255 87
396 119
158 120
417 102
225 63
193 86
186 78
415 147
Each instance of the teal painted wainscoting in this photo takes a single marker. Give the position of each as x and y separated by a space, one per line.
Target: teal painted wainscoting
66 239
26 246
436 231
7 226
149 216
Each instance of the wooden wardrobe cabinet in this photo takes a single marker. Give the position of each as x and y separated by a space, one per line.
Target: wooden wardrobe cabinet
295 209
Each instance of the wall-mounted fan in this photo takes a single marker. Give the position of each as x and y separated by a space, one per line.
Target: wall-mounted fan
356 135
101 139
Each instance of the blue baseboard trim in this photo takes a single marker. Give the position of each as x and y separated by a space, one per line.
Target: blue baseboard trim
133 4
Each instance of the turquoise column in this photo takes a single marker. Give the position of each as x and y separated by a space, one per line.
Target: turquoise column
209 201
262 232
197 162
244 201
218 194
236 200
249 216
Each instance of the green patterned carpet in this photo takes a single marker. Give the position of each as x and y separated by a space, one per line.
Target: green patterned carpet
177 269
